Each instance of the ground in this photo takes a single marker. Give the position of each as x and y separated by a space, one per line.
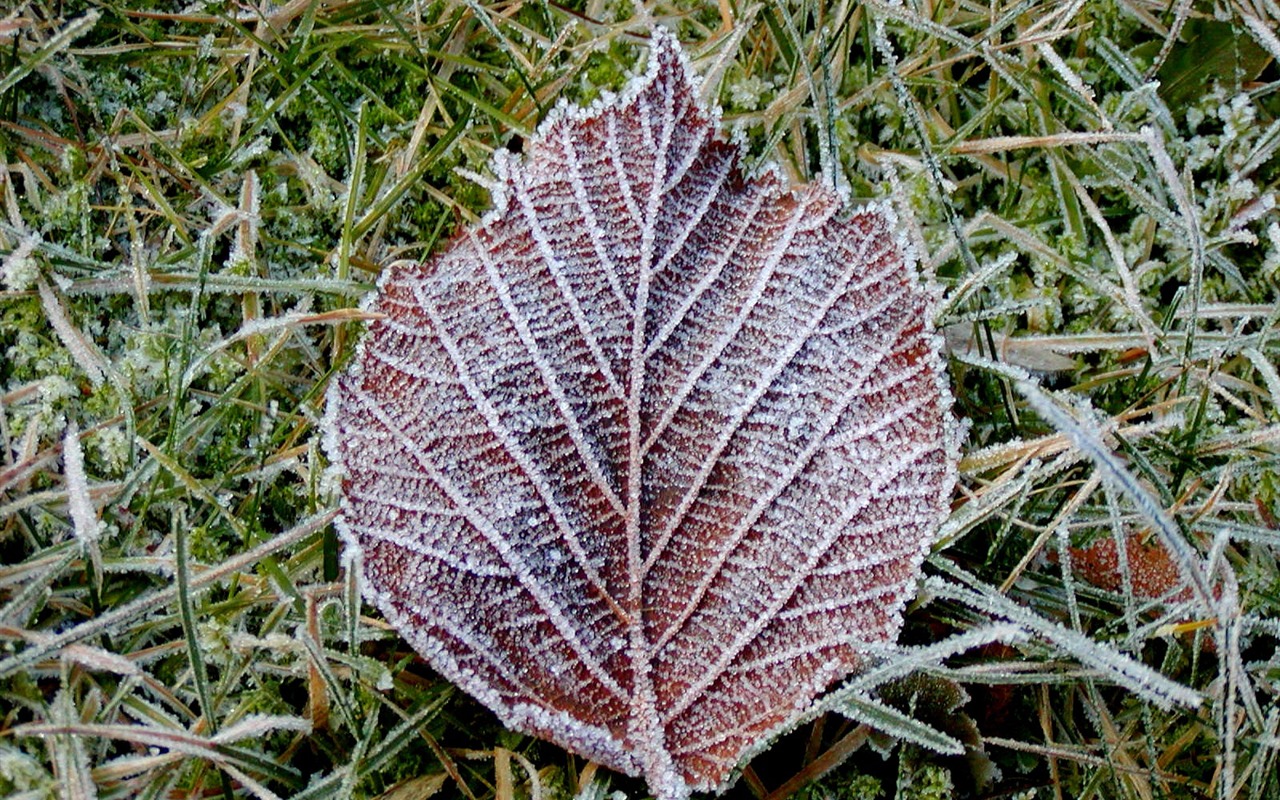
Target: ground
194 204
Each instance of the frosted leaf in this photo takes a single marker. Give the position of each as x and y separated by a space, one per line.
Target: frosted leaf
647 459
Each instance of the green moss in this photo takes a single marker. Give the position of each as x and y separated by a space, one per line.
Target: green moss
853 787
926 782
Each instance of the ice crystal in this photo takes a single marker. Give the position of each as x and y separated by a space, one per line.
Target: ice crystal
649 457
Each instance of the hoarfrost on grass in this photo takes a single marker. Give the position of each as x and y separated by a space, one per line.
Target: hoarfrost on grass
84 517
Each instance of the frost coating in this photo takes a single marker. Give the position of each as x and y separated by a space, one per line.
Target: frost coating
651 455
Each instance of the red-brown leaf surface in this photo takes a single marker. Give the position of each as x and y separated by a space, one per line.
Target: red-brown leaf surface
647 458
1153 570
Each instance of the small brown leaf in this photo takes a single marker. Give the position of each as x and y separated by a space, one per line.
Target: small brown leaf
648 457
1154 573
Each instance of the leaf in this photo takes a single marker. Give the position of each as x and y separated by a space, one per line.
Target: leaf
1154 573
649 457
1210 51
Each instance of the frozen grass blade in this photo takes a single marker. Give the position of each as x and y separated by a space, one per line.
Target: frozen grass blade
195 656
59 42
160 598
898 725
1091 444
84 518
894 663
80 348
71 760
215 749
1138 678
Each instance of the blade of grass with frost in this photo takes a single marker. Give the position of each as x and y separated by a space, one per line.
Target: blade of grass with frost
99 660
194 486
1266 371
70 759
380 207
1068 576
84 519
256 789
219 752
1137 677
1011 514
139 265
355 190
728 47
257 725
1081 754
1233 664
1059 521
1084 93
999 62
1242 532
898 662
970 286
1233 443
321 662
285 323
900 726
186 344
1190 223
352 599
363 742
244 251
1182 11
85 352
60 41
820 94
82 351
38 581
401 738
1090 443
976 511
162 597
195 656
518 63
1264 151
1120 538
222 283
1069 214
1010 372
1129 290
932 163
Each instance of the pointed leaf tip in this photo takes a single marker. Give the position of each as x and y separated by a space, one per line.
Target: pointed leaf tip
648 457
